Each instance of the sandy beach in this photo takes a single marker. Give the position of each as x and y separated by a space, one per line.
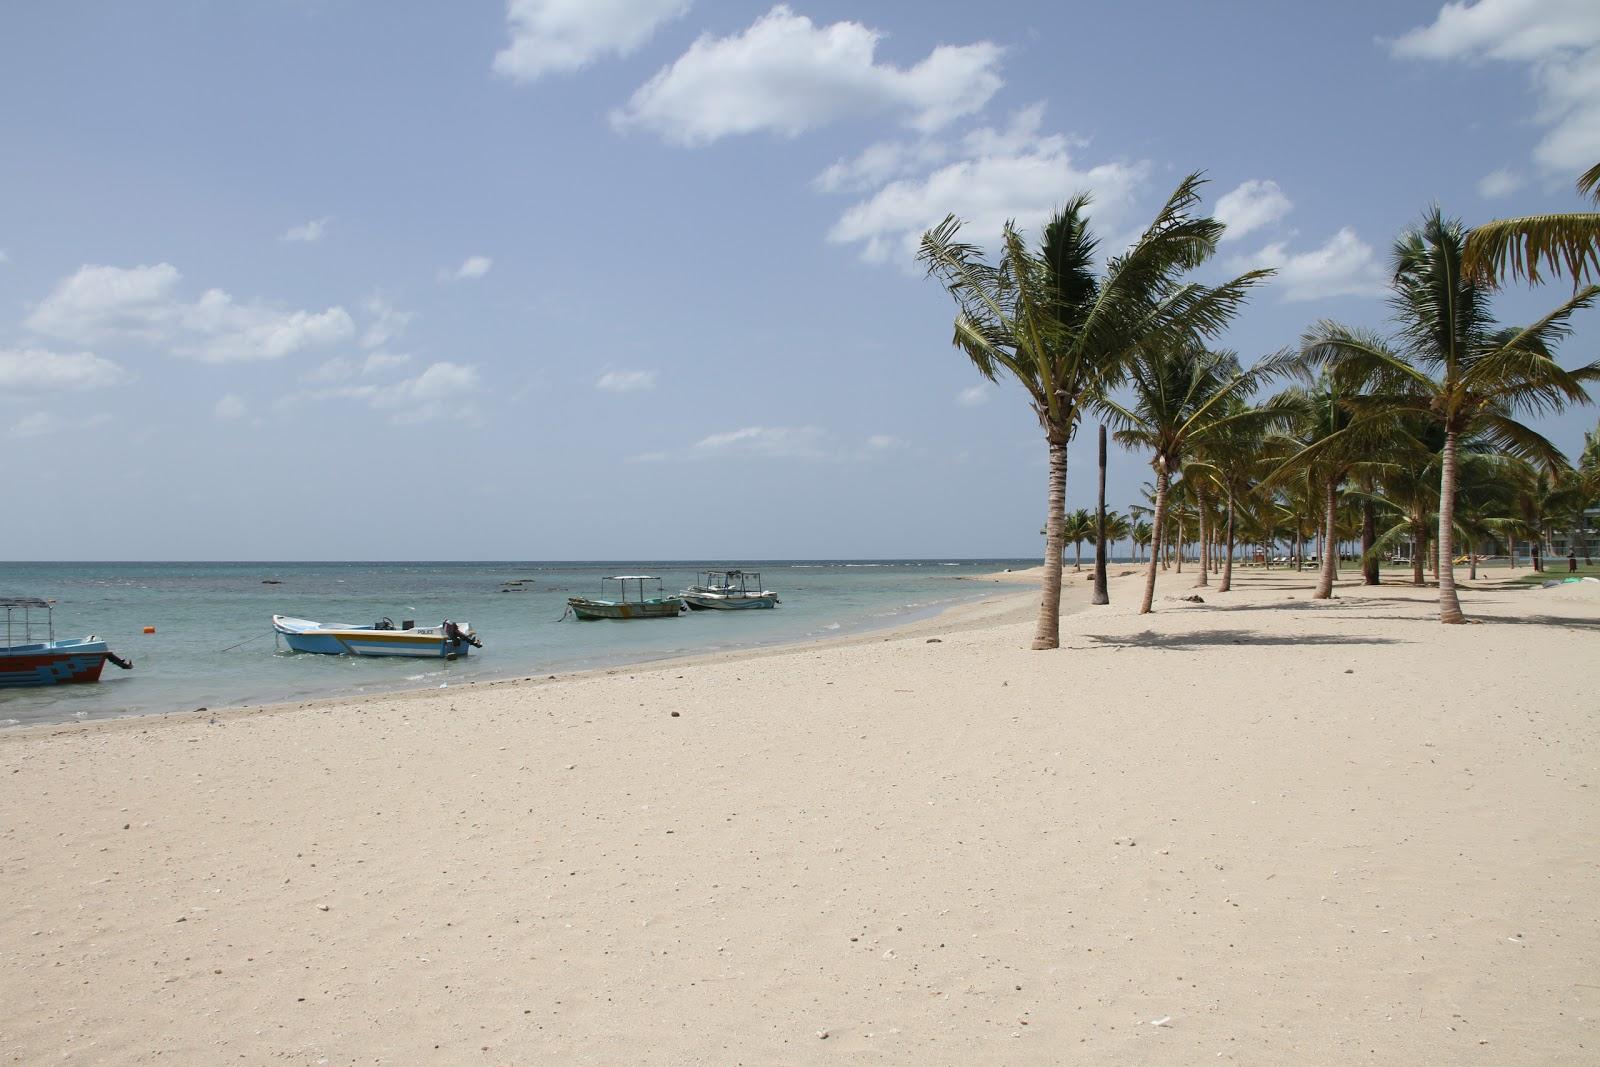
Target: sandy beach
1261 829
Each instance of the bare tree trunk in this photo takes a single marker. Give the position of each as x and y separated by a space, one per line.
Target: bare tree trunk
1369 534
1227 559
1101 594
1155 544
1048 633
1449 603
1205 539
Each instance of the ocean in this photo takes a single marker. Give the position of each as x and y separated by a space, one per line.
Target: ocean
213 645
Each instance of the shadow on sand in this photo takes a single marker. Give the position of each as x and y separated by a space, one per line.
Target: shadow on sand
1211 638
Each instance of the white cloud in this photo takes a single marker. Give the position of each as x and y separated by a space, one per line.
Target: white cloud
786 75
4 258
975 395
442 390
1344 266
343 369
139 304
471 268
1558 39
883 442
1252 205
230 407
626 381
307 232
557 36
1502 182
1011 173
43 423
388 322
787 442
878 164
38 370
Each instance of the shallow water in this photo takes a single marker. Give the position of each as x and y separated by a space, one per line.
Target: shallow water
202 610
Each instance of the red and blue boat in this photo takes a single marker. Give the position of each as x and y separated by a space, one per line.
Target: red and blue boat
25 661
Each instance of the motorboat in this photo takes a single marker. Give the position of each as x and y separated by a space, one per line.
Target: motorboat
729 591
447 640
26 661
621 606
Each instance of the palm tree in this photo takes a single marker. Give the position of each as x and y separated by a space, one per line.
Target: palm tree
1457 367
1179 396
1233 463
1141 535
1079 526
1064 333
1568 242
1328 447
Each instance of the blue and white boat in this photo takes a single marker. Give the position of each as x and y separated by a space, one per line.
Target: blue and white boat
448 640
26 662
729 591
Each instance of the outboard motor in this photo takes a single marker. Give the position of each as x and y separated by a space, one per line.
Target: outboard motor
456 635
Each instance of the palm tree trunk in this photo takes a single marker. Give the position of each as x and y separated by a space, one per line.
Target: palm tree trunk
1449 604
1101 594
1048 633
1330 507
1227 559
1369 534
1419 549
1205 540
1077 556
1155 544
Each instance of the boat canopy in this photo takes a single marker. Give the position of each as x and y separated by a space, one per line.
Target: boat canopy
23 602
634 578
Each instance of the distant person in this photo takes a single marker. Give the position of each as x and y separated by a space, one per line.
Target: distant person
1572 560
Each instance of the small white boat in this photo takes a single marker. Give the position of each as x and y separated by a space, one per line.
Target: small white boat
729 591
447 640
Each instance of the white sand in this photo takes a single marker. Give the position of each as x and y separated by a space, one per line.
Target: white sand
1299 832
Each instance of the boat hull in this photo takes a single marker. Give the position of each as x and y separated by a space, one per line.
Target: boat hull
704 602
590 610
52 663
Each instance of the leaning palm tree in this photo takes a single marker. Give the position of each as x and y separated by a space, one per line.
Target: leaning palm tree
1046 318
1178 403
1565 243
1456 366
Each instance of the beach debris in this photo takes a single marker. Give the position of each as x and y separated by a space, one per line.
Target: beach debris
322 907
1193 598
674 715
1163 1021
934 641
822 1035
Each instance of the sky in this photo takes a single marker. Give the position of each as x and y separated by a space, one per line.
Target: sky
635 279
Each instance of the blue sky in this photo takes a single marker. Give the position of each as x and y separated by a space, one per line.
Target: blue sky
633 278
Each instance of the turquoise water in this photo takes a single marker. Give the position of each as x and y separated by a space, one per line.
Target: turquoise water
200 610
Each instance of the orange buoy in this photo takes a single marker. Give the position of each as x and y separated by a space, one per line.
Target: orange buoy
149 629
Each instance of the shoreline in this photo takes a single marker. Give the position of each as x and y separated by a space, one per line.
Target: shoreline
987 609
